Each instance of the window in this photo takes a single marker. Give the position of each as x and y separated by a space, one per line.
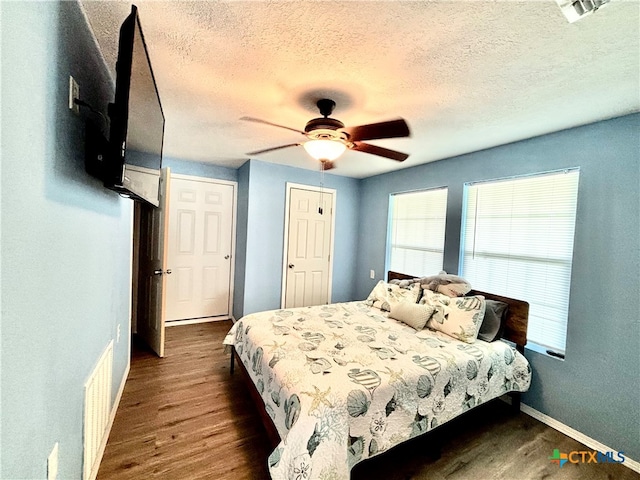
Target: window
416 231
518 242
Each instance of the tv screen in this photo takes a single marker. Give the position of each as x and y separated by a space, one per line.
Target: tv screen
137 119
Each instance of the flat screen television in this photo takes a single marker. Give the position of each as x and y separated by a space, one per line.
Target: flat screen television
130 161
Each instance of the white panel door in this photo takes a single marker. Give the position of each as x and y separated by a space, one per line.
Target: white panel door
309 248
199 249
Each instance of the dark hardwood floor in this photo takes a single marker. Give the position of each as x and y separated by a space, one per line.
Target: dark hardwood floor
185 417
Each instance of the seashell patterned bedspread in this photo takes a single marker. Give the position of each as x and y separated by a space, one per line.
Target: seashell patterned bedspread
344 382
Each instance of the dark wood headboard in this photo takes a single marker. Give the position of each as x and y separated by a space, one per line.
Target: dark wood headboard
517 316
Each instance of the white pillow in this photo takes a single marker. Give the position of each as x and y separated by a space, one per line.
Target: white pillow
412 314
385 294
458 317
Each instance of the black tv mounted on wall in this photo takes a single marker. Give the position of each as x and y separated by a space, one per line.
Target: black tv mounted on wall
130 161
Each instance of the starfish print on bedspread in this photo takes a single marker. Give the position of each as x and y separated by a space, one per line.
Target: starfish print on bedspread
394 376
319 397
275 346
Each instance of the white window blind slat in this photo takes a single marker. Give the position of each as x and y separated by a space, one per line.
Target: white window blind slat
416 231
518 242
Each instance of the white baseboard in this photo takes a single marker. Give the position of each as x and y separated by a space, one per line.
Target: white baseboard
191 321
112 417
576 435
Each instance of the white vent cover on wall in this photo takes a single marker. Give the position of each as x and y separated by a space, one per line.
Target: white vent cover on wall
576 9
97 411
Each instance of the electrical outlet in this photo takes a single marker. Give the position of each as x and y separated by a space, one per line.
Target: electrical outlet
52 463
74 93
118 334
372 274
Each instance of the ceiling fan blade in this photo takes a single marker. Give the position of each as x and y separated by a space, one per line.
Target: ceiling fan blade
257 120
258 152
390 129
381 152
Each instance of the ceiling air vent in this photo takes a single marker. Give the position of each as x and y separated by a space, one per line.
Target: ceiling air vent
576 9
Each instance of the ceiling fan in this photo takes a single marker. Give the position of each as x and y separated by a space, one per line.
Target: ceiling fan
328 138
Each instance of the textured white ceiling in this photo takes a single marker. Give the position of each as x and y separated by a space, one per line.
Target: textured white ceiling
466 75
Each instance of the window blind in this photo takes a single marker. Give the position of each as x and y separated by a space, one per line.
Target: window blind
518 242
416 231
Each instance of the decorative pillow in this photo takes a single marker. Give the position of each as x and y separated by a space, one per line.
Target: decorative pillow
495 317
447 284
412 314
459 318
385 294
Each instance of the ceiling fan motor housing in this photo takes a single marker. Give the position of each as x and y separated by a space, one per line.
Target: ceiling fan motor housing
324 124
325 128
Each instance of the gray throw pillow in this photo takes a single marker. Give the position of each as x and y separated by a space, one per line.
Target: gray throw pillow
495 316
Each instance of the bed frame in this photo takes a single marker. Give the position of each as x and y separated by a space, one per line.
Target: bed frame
515 331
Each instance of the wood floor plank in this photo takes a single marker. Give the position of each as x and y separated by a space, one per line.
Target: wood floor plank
184 417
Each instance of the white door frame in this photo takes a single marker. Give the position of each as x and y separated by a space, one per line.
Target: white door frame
285 268
233 237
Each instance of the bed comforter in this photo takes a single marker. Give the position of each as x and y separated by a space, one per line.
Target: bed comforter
344 382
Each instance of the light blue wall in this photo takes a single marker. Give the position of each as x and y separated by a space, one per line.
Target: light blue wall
595 390
66 241
199 169
265 193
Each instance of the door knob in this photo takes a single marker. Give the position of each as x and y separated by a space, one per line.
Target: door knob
226 257
291 265
160 272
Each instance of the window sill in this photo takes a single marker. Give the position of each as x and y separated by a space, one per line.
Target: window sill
534 347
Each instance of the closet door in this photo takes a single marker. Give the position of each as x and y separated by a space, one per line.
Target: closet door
200 242
309 245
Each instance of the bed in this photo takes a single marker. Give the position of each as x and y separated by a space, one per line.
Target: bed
339 383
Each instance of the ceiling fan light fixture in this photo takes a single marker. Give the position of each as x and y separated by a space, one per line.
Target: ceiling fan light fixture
325 149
